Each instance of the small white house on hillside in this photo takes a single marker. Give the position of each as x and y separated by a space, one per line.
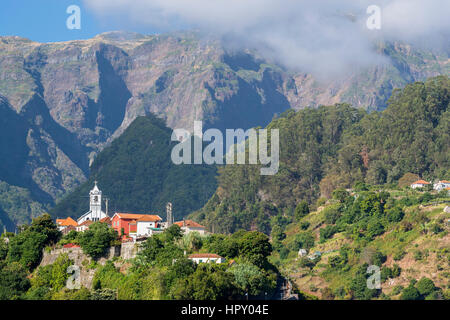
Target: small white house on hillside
419 184
188 226
441 185
302 252
147 226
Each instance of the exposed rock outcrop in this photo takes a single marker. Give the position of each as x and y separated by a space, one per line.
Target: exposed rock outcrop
126 251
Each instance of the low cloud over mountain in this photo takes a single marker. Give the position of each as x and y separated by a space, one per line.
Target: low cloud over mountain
322 37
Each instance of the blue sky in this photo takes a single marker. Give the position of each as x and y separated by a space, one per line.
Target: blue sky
45 21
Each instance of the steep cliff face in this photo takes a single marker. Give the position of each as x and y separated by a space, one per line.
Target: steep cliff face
61 103
82 261
371 88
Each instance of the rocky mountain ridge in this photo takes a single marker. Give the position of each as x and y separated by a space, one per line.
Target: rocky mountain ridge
61 103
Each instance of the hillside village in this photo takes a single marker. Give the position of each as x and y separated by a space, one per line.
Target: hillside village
437 186
319 253
133 256
136 228
132 227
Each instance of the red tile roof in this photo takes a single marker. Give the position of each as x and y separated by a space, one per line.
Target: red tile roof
66 222
189 223
71 245
86 223
139 217
149 218
204 255
106 220
420 182
444 181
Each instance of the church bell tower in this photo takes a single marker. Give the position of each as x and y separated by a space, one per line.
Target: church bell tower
95 204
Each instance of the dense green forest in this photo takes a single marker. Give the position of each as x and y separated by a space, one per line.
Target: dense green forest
136 173
337 146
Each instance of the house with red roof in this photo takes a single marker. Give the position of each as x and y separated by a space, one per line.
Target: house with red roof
136 225
84 226
148 225
71 245
66 230
441 185
64 223
419 184
188 226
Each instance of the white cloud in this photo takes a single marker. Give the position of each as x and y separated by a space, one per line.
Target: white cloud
410 19
321 36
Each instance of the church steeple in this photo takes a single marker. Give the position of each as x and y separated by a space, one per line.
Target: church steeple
95 212
95 205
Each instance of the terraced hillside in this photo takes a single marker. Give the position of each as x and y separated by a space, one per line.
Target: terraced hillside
403 232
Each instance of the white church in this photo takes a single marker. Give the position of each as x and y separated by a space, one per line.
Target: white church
95 212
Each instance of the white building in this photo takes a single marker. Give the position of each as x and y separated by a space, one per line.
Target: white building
147 226
65 223
206 258
84 226
302 252
95 212
188 226
441 185
419 184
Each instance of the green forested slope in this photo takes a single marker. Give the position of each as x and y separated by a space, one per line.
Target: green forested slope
338 146
136 173
61 103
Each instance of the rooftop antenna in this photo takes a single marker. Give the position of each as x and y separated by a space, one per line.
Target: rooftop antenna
169 214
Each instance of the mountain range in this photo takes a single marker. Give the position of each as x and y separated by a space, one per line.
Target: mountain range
62 103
